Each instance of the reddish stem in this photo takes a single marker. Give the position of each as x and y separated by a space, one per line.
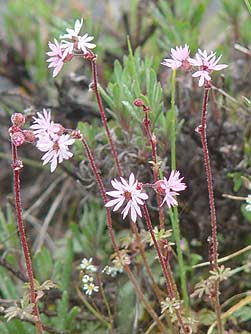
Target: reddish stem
153 143
112 236
167 274
203 135
214 243
102 111
16 165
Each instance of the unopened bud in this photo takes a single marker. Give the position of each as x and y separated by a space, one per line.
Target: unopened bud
158 187
139 186
76 134
58 129
29 136
17 138
138 103
17 165
18 119
90 56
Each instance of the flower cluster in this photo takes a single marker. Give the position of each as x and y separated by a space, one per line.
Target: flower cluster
248 201
18 135
131 194
207 63
71 43
88 286
88 269
51 139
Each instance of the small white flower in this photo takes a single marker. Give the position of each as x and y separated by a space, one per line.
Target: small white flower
56 148
112 271
129 192
88 266
248 201
89 288
87 279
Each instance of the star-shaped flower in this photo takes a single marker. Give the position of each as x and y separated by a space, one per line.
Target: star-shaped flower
170 188
207 64
75 41
57 56
43 125
129 193
179 58
56 148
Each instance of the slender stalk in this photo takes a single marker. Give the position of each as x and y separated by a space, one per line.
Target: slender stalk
16 165
96 313
102 112
113 240
153 143
106 305
155 287
214 255
175 216
167 275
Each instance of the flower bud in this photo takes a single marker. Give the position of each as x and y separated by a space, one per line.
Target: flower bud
29 136
138 103
17 165
18 119
76 134
58 129
17 138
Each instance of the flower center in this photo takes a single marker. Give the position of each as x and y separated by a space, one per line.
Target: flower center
127 195
55 146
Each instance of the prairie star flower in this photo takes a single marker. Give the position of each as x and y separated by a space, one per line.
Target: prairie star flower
56 148
80 43
170 188
179 58
207 64
129 192
71 33
43 124
57 57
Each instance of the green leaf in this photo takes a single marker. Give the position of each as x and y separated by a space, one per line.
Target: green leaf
67 265
43 263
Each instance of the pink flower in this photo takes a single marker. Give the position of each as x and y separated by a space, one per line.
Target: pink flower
76 41
43 124
56 148
57 57
71 33
130 193
179 58
170 188
207 64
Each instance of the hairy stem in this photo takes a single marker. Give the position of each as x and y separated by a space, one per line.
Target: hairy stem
113 240
203 135
17 165
175 216
167 275
102 112
155 287
153 144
